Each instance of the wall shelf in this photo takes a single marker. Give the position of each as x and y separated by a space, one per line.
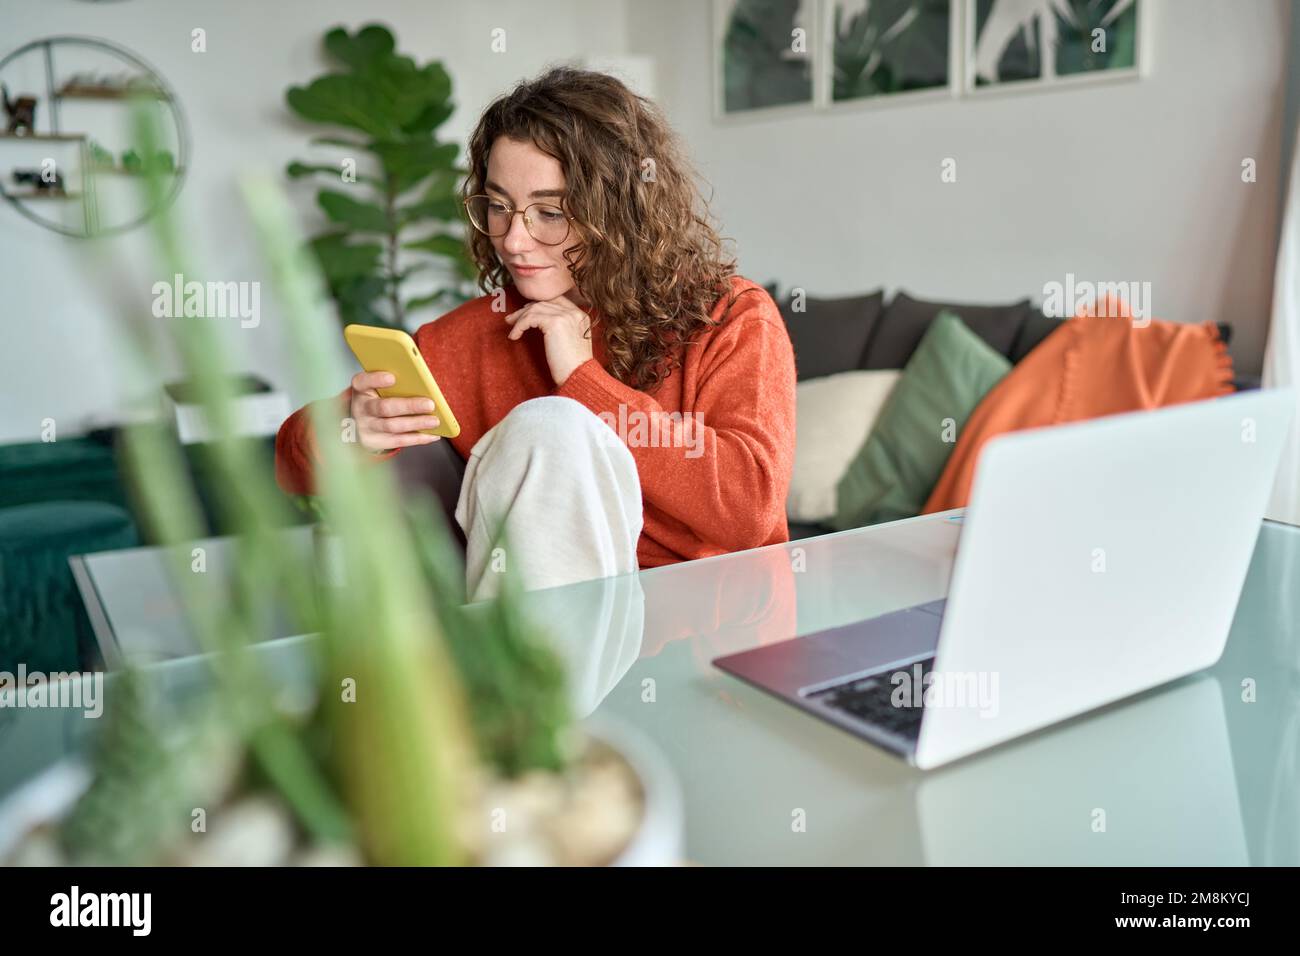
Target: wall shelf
120 171
109 93
141 83
43 194
57 137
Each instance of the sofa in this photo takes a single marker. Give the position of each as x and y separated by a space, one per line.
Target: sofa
829 336
864 332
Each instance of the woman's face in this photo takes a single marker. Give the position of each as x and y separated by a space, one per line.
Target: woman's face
520 174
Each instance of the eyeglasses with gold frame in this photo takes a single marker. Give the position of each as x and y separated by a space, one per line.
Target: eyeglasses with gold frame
476 209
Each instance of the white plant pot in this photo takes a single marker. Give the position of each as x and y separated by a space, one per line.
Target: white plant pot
657 841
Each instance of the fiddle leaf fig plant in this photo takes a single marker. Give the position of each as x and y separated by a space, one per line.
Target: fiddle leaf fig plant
394 207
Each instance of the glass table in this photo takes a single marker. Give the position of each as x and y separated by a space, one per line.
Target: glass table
1202 771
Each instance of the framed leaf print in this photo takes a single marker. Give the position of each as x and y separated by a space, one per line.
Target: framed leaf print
764 54
1039 43
784 56
882 48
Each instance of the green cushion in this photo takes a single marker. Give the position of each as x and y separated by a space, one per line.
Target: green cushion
901 460
42 618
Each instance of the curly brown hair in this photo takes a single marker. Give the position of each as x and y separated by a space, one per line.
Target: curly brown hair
649 258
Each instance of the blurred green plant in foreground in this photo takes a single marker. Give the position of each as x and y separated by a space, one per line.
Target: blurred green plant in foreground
418 697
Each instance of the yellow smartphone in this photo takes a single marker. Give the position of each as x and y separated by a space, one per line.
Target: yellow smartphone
392 350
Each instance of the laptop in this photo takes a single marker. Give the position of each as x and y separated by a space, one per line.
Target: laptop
1096 560
1102 792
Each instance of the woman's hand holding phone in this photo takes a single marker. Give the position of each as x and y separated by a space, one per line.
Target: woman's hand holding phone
387 423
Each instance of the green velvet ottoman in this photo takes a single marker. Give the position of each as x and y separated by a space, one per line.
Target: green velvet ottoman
70 469
43 622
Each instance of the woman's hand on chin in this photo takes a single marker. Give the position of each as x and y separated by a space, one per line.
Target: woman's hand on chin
566 330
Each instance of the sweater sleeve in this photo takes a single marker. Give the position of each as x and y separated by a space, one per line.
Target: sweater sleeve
723 471
297 453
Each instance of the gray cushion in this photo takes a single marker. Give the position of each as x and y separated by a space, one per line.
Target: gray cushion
1036 327
902 325
802 529
830 335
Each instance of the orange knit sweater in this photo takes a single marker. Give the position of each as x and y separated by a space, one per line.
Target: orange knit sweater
709 490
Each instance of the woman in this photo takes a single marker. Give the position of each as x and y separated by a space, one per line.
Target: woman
624 398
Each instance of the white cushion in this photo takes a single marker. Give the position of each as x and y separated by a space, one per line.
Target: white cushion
834 414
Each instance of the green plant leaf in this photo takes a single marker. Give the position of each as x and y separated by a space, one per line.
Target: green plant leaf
409 271
450 247
338 141
382 95
343 100
441 208
379 100
403 92
433 116
517 686
424 301
301 782
446 181
439 244
356 298
340 259
441 199
407 162
358 215
298 170
371 42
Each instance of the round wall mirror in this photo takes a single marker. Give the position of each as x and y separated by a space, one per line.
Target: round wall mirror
66 160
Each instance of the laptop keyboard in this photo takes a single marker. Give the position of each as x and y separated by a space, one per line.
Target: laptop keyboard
870 699
934 607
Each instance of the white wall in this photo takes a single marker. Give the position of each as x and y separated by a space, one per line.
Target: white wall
59 327
1134 181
